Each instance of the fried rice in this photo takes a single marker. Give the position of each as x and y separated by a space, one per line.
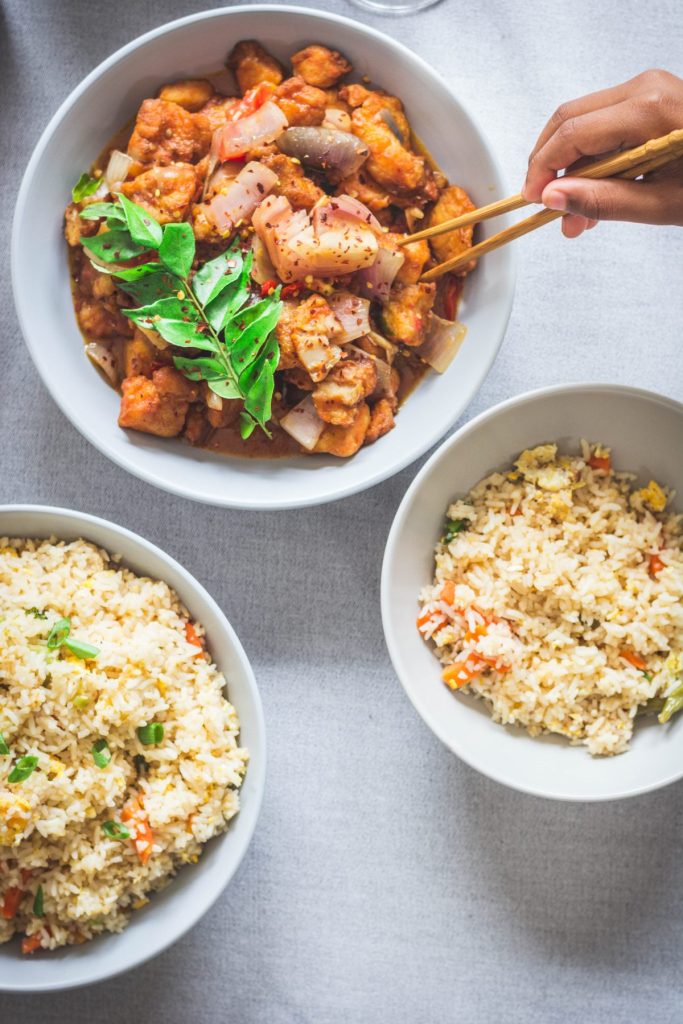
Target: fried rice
557 597
132 754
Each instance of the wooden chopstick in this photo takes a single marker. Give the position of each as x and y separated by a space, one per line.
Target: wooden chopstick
652 155
611 165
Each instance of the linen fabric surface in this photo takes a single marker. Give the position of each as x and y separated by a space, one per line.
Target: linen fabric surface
387 882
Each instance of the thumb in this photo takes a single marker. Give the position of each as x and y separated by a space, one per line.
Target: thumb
643 202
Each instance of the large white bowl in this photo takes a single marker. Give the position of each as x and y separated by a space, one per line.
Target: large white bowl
177 908
105 100
645 431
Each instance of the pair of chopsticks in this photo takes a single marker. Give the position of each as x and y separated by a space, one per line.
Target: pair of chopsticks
632 163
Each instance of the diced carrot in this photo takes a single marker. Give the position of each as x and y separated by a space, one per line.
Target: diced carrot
193 638
134 811
448 592
634 659
656 565
11 902
600 462
462 672
31 943
427 617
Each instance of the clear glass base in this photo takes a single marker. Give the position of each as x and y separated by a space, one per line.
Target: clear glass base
395 6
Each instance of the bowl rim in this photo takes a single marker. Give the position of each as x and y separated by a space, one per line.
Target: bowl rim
391 554
257 773
174 484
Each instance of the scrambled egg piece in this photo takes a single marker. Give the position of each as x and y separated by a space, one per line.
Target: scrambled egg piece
652 495
541 467
14 817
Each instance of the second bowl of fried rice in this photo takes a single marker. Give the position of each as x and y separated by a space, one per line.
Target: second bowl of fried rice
532 588
132 753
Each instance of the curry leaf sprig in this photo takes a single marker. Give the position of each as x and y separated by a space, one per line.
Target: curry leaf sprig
210 311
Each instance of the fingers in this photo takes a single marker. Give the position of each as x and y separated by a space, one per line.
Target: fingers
649 104
611 128
574 225
583 105
642 202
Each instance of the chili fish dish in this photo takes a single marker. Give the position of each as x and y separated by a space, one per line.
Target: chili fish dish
119 752
238 261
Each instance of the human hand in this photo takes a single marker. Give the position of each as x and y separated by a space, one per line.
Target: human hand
647 106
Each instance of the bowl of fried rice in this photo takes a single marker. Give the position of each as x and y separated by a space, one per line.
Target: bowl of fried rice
532 592
131 749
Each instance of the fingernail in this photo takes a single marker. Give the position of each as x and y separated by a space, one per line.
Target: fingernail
555 199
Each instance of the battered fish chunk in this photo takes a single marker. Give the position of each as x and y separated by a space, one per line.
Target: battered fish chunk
157 406
292 182
301 104
165 192
165 133
319 66
452 202
345 441
191 94
406 314
253 65
379 121
348 383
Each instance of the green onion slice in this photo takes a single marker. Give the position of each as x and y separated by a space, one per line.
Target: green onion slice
454 527
115 830
38 902
101 754
58 634
150 735
24 767
4 749
81 649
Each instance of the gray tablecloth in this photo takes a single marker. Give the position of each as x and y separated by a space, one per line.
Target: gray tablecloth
387 882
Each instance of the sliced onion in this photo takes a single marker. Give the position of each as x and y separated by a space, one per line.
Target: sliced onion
353 313
103 357
237 137
213 400
226 173
303 424
388 346
375 281
296 250
336 211
262 269
339 119
117 168
444 338
241 197
326 149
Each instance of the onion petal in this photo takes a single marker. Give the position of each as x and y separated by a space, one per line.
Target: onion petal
303 424
375 282
444 338
353 313
103 358
241 197
117 169
237 137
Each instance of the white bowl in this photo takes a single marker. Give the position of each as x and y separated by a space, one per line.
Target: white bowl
645 431
105 100
189 895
